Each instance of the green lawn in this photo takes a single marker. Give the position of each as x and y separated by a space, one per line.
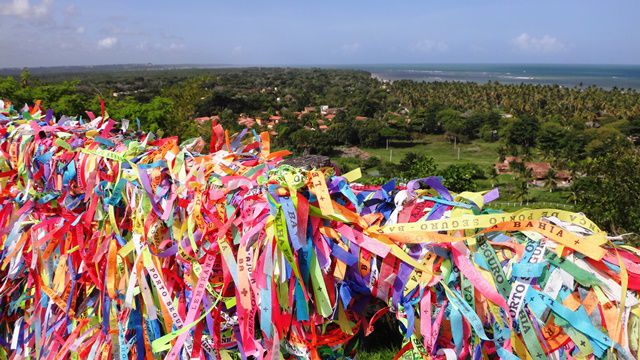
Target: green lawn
382 354
480 152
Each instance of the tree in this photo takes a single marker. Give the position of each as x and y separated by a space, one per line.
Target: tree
488 133
424 120
126 108
414 166
460 178
633 127
481 123
452 122
367 104
388 170
25 77
158 114
522 133
572 146
522 178
388 132
550 180
344 133
311 142
174 110
550 138
8 88
70 105
341 117
308 119
610 190
503 151
370 133
603 140
522 189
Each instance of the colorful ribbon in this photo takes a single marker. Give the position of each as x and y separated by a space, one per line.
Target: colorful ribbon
116 244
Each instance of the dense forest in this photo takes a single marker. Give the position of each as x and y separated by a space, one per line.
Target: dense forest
590 132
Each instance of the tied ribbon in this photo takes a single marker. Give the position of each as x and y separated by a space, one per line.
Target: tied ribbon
117 244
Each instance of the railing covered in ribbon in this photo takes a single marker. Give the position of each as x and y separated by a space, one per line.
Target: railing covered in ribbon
117 244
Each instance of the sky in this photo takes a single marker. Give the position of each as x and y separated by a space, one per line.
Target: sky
328 32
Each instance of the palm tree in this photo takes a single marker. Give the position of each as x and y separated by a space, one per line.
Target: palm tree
522 190
573 197
493 177
550 180
522 176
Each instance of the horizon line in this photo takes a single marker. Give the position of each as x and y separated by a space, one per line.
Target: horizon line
318 65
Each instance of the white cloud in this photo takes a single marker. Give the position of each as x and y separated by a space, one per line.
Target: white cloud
124 31
545 44
107 43
237 50
175 46
430 46
71 10
350 48
24 8
145 45
24 25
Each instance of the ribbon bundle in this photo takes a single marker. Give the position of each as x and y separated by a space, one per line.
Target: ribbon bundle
115 244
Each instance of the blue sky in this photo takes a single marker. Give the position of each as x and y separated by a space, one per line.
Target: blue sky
243 32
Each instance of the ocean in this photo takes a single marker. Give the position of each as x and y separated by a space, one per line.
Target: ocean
605 76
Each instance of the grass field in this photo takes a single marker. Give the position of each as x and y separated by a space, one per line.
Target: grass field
480 152
384 354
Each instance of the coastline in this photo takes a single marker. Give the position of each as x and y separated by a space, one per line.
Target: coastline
579 76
